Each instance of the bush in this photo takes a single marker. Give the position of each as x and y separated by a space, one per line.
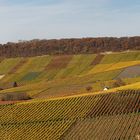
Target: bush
89 88
15 97
118 83
15 84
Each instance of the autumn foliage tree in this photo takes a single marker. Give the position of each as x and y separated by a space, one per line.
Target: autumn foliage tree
69 46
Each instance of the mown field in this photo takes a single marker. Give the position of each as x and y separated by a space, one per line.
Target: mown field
68 101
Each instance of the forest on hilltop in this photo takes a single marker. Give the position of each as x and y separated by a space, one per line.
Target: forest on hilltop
38 47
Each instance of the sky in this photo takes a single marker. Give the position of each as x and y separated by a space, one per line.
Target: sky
55 19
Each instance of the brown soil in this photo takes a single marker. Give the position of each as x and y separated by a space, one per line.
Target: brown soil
59 62
97 59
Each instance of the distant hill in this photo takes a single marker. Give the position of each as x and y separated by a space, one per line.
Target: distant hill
69 46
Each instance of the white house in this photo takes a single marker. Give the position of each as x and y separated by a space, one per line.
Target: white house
106 88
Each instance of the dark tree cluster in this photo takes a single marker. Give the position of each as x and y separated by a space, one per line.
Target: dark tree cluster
14 97
69 46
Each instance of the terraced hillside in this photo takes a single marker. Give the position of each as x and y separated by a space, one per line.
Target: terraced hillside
51 76
103 116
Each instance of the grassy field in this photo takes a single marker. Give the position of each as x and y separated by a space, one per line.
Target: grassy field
121 57
7 64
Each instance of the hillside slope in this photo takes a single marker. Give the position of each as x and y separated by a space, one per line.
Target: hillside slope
68 101
53 76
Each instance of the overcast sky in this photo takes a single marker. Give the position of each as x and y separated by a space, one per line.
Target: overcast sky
46 19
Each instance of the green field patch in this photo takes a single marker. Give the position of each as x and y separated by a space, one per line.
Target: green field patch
121 57
34 64
99 68
30 76
79 64
48 74
21 63
7 64
38 63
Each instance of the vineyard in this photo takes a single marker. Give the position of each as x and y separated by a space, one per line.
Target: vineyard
113 115
62 97
60 75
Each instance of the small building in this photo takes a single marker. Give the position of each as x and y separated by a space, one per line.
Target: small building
106 88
